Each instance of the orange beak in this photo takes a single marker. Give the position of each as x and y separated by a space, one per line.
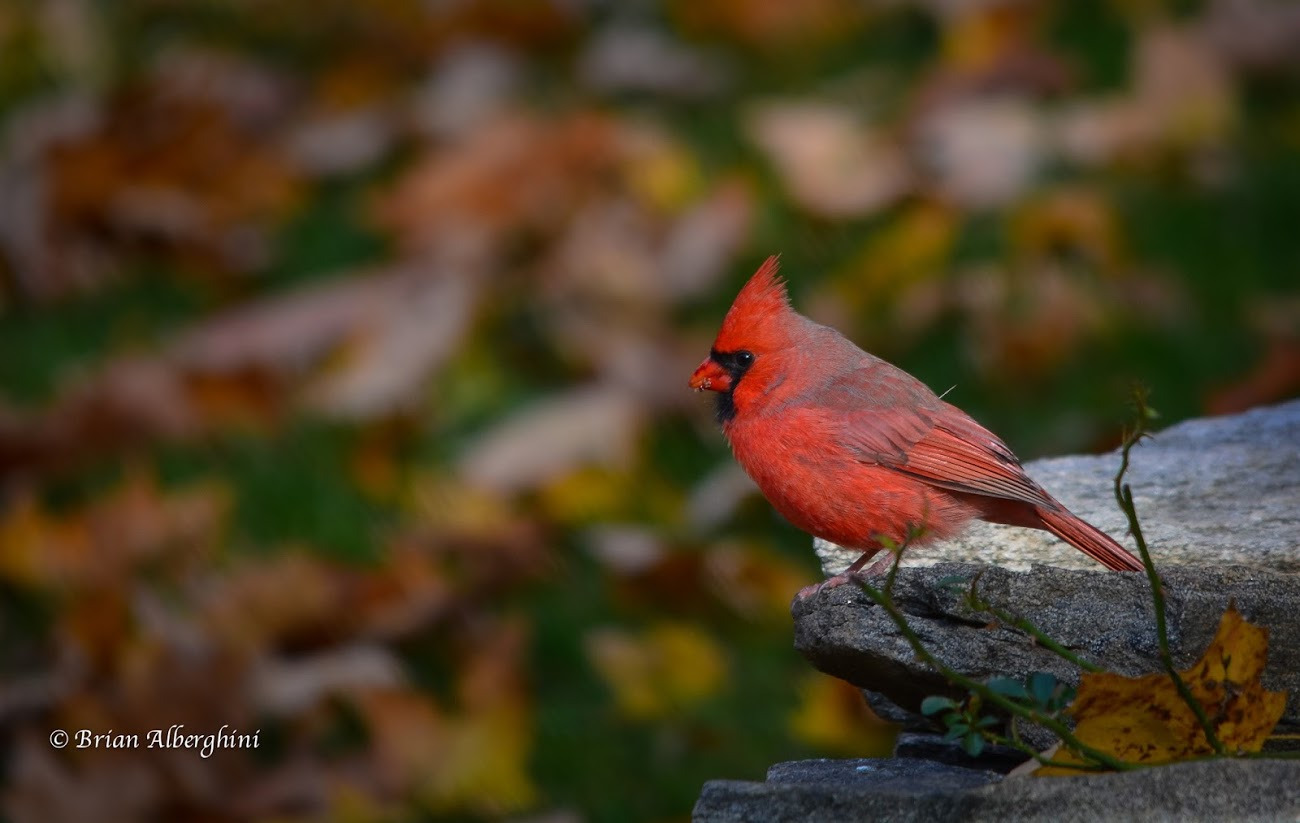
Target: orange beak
709 376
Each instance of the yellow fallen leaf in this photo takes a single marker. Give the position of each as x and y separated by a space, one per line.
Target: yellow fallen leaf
1143 719
983 38
1071 219
661 171
832 715
588 494
670 667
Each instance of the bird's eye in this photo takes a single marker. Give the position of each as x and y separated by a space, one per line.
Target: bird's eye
745 358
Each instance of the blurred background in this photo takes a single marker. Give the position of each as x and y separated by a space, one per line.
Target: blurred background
344 346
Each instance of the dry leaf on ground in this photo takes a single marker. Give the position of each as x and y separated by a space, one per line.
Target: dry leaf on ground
832 164
590 424
1143 719
832 714
671 667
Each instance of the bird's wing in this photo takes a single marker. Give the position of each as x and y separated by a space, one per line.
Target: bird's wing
968 458
915 433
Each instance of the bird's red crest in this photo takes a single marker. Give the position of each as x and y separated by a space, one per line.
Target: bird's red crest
755 313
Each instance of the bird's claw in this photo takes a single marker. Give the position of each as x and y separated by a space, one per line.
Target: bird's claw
873 571
831 583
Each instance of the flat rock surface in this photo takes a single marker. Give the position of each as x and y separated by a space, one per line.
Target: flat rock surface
1105 617
1239 790
901 775
1209 492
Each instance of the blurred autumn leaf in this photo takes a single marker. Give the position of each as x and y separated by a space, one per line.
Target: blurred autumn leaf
473 759
137 524
1144 719
833 714
661 674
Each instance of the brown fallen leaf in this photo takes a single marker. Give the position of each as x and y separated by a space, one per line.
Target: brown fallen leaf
517 172
1143 719
355 348
983 153
183 174
1183 101
470 753
137 524
588 425
1275 377
1077 222
1253 36
833 164
993 48
1028 321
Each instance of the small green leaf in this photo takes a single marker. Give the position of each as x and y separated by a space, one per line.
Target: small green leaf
1063 697
1041 687
1007 687
935 704
973 744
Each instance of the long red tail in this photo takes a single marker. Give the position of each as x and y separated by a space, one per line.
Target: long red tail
1089 539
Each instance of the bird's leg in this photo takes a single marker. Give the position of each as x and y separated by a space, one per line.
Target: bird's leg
855 571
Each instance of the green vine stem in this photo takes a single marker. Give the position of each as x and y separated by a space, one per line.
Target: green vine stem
986 694
1124 496
979 604
1042 759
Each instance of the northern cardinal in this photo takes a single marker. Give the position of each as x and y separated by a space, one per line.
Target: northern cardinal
853 449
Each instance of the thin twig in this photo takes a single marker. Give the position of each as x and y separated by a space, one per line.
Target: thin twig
1043 760
893 571
1015 621
983 691
1124 495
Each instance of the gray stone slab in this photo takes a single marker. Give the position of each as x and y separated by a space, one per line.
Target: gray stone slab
1220 790
1105 617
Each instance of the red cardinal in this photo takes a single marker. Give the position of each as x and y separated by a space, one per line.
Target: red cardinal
852 449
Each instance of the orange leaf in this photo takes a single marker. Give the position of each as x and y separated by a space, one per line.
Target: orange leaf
1143 719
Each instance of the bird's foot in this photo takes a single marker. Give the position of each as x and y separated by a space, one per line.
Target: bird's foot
829 583
869 574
